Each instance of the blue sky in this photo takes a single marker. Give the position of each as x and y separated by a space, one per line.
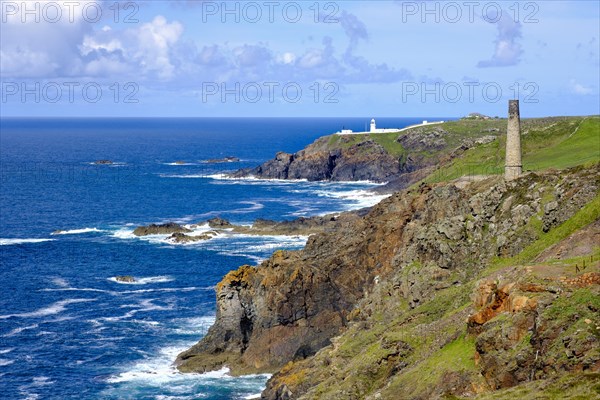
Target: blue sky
306 58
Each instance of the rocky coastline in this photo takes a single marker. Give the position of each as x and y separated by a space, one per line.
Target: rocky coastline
402 254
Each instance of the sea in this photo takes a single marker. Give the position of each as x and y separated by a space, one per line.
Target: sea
68 328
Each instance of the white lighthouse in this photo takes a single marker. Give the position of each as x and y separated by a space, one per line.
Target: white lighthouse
373 127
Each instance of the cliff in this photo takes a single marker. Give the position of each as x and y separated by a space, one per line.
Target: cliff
377 157
397 285
440 152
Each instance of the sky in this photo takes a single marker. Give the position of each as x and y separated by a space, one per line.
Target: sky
298 59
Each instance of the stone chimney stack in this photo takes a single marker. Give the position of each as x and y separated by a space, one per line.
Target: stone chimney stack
513 167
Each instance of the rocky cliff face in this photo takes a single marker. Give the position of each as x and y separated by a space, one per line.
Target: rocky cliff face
415 249
364 161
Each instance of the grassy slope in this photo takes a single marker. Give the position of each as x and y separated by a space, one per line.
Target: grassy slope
547 143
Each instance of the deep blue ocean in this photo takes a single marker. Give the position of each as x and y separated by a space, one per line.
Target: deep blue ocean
68 329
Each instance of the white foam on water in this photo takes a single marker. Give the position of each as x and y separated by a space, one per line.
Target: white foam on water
42 381
143 306
4 362
124 233
14 241
253 396
179 164
6 351
254 206
144 281
258 248
60 282
71 289
178 176
185 289
54 308
360 198
224 178
20 329
76 231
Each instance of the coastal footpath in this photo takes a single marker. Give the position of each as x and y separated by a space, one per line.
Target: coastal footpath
455 287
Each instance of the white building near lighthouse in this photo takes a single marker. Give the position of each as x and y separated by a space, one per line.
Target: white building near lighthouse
373 129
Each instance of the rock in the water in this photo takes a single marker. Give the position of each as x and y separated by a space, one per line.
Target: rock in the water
219 223
222 160
160 229
103 162
181 238
125 278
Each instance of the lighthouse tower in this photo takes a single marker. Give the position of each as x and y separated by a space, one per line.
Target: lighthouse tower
373 127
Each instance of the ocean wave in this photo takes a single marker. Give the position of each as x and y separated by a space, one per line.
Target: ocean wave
224 178
54 308
144 281
76 231
192 326
360 198
72 289
60 282
167 290
4 362
179 164
257 248
13 241
20 329
142 306
113 163
183 176
42 381
124 233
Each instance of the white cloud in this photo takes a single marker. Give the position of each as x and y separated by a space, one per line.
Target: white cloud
74 47
154 42
507 50
580 89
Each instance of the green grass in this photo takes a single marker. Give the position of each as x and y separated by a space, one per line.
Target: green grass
588 214
389 142
345 141
547 143
580 386
582 146
457 356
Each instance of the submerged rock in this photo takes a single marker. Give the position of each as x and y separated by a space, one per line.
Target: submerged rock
103 162
125 278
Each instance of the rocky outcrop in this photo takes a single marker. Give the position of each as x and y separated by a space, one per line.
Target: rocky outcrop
182 238
125 278
410 246
363 161
160 229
